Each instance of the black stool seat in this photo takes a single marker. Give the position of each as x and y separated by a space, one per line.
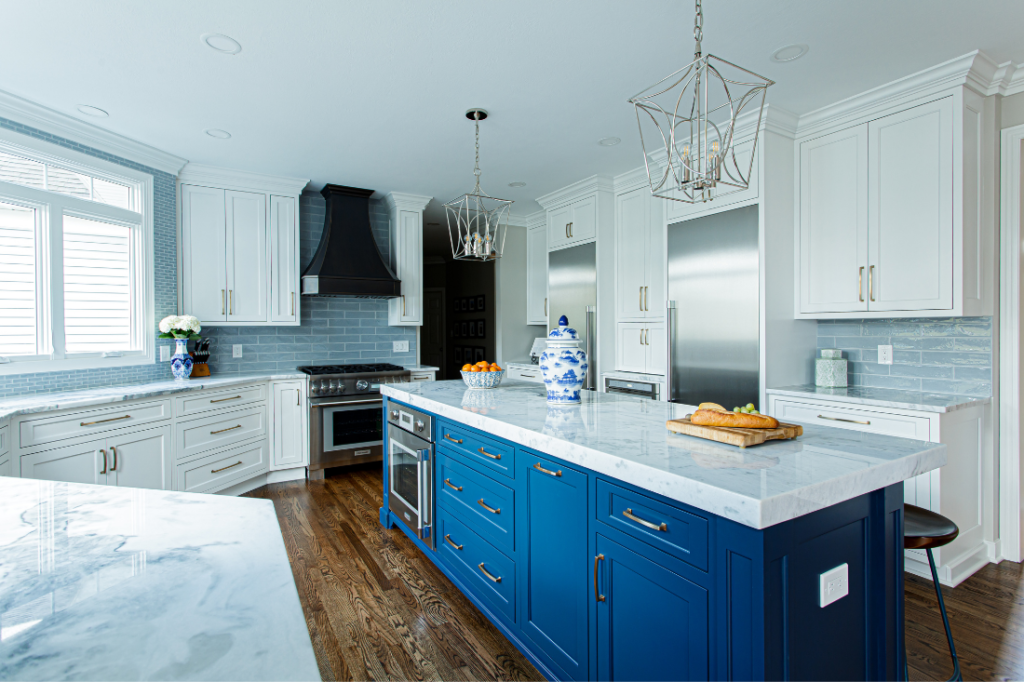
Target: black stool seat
924 529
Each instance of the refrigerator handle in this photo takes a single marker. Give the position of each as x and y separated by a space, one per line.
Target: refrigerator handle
670 333
589 382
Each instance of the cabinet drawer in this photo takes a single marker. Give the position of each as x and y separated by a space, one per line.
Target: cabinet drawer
495 456
464 493
471 555
5 440
675 532
207 433
219 470
5 465
853 418
208 400
421 376
532 375
49 429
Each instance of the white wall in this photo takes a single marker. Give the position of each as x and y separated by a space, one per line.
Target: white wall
514 336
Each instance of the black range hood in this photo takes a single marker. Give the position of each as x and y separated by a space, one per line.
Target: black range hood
348 261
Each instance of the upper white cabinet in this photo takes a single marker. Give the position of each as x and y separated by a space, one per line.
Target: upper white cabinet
639 256
537 272
889 221
407 258
573 224
238 267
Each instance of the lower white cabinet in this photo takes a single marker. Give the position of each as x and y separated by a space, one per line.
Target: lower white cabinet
289 426
640 347
79 463
219 470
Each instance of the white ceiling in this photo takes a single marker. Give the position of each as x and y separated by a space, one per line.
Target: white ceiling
372 94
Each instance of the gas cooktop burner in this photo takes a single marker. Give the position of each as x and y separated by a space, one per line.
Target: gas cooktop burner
315 370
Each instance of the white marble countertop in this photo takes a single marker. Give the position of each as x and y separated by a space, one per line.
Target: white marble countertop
48 402
105 583
624 437
882 397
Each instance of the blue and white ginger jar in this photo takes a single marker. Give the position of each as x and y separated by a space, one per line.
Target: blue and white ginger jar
563 364
181 361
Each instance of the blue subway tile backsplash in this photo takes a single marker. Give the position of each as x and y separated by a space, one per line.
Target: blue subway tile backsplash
942 355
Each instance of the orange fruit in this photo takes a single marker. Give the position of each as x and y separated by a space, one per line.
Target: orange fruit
474 368
483 363
466 367
495 368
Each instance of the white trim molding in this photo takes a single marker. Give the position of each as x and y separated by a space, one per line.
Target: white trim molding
240 181
54 122
407 202
571 192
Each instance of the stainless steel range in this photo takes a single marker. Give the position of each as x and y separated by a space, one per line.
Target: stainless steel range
346 418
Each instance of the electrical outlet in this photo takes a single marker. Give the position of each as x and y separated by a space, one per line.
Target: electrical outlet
833 585
885 355
165 353
236 350
400 346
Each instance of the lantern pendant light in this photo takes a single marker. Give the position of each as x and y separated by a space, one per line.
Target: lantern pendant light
688 121
477 222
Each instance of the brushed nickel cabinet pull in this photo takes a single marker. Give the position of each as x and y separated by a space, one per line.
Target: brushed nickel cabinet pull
640 299
493 579
567 230
231 301
449 541
403 305
230 428
860 284
487 454
840 419
104 461
597 594
549 472
221 301
113 451
447 437
293 305
217 471
221 400
545 307
104 421
456 488
490 509
646 309
570 230
297 397
646 524
871 283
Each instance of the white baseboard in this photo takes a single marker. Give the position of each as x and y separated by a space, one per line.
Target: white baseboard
296 474
952 573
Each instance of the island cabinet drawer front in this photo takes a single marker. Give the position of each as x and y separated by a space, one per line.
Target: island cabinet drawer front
50 429
855 419
200 435
219 470
490 574
673 531
494 455
486 506
207 401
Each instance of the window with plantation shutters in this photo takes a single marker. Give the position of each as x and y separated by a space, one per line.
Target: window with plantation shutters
17 280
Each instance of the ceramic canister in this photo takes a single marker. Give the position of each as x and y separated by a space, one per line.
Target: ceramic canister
830 369
563 364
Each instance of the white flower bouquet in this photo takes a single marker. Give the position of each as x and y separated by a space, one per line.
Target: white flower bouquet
180 327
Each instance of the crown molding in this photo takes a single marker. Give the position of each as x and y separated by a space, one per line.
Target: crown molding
243 181
407 202
536 219
631 180
517 220
595 183
56 123
1007 79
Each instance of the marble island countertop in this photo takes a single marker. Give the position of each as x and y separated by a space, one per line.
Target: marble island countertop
882 397
625 437
106 583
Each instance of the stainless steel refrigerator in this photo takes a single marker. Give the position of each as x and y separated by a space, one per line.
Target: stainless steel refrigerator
572 291
713 332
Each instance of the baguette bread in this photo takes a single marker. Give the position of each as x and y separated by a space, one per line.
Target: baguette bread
736 420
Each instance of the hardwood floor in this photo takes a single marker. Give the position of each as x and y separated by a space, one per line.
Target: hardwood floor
377 609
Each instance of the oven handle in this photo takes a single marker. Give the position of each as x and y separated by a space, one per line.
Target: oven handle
350 402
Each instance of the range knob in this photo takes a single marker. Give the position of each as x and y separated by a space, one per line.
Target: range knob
334 386
314 387
419 424
362 385
323 386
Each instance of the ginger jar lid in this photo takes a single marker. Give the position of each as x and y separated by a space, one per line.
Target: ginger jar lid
563 332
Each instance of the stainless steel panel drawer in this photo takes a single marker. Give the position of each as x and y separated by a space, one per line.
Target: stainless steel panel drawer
218 399
217 431
42 430
854 418
223 468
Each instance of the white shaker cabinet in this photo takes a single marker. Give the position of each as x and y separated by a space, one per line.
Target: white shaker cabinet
640 347
246 254
141 459
639 257
537 274
80 463
407 258
284 260
203 247
573 224
288 429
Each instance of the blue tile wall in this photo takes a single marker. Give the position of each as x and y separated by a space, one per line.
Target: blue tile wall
333 330
166 297
943 355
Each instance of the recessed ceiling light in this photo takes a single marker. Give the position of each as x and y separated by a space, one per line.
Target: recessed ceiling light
92 111
218 133
789 53
609 141
517 184
221 43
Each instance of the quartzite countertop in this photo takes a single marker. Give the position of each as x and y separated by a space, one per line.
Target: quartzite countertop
106 583
625 438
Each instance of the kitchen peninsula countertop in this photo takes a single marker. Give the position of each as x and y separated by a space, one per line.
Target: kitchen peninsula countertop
882 397
624 437
106 583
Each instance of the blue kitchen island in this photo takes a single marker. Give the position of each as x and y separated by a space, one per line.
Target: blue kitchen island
606 547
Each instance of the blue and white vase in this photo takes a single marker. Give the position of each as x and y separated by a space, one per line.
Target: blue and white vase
563 364
181 361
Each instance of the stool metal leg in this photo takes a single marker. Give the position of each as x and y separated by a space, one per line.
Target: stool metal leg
957 676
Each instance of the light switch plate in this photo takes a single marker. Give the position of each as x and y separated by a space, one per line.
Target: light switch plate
834 584
885 355
236 350
165 353
400 347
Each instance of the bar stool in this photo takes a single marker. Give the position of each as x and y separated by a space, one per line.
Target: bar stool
924 529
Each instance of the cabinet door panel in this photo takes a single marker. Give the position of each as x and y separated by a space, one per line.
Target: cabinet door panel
407 309
246 219
583 223
537 276
834 222
81 463
630 254
630 350
284 240
141 460
911 209
289 426
204 277
558 227
555 570
655 339
654 264
652 624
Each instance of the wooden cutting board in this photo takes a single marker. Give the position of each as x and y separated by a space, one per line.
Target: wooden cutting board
732 436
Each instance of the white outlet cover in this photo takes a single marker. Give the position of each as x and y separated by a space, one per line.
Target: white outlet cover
833 585
885 355
165 353
236 350
400 346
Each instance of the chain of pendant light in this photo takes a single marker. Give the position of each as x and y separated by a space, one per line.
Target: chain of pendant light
698 29
476 167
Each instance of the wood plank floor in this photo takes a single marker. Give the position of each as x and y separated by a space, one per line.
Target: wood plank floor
377 609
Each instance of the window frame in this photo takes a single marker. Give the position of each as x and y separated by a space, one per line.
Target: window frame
51 207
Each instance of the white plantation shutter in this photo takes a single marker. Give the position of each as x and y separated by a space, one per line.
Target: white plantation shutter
17 280
97 286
